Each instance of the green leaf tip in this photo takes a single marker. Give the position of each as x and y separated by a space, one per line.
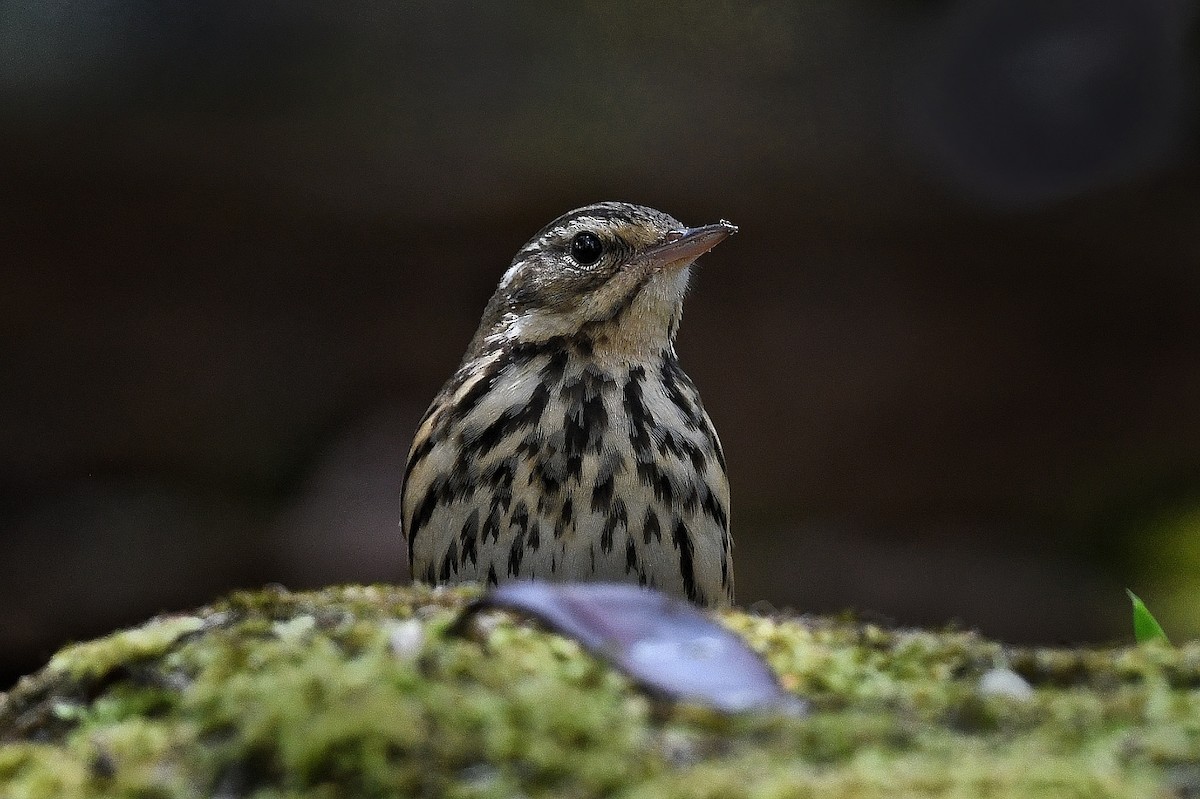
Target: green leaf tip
1145 626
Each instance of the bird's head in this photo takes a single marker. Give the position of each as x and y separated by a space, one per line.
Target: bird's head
613 272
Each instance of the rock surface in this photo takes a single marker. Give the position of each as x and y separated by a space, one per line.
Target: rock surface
361 691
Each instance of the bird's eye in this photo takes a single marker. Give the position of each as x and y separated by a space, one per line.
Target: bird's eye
586 248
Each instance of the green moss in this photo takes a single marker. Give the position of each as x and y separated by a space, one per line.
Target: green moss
94 659
361 691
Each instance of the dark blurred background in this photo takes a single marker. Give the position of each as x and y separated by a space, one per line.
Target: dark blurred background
954 354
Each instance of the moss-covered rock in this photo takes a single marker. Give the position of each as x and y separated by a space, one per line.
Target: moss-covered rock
360 691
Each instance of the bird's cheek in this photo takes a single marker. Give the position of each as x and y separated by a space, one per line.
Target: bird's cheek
618 291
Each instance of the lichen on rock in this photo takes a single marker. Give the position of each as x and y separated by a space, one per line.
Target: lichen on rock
361 691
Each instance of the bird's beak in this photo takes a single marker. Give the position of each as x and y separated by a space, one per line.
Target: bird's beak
681 247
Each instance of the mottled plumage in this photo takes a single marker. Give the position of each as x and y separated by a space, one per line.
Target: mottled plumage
570 445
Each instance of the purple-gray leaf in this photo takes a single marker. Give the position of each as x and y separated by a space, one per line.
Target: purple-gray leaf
665 645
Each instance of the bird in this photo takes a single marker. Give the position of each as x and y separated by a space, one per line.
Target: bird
570 445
